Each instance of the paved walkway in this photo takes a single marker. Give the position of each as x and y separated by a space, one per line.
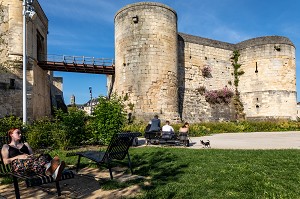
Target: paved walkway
255 140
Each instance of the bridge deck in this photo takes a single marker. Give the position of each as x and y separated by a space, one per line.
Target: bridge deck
79 64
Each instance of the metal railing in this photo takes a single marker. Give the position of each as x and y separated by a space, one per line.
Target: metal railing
67 59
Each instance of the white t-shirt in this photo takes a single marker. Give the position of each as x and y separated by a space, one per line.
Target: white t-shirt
167 128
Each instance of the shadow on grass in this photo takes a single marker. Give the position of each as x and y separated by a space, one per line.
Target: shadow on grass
153 167
161 166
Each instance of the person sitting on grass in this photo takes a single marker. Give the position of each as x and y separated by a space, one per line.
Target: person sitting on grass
22 160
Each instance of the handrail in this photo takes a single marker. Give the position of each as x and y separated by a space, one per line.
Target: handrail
67 59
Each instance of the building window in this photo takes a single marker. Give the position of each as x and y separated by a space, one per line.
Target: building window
41 55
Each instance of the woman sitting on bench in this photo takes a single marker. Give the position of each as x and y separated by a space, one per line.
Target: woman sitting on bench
184 128
22 160
183 134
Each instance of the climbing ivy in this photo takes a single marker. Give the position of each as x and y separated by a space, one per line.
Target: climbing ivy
239 108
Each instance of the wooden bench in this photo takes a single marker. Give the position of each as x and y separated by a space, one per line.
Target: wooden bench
116 150
30 179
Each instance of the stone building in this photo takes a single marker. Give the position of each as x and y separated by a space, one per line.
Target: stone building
42 88
164 72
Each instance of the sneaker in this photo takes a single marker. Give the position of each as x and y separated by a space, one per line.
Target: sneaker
58 172
54 164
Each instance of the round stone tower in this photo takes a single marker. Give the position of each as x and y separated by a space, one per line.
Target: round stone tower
268 86
146 59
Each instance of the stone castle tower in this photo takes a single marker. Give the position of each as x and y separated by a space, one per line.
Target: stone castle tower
161 71
39 82
146 58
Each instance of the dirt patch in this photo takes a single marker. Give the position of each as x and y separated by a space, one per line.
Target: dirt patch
86 184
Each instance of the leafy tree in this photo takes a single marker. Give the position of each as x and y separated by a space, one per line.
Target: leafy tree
109 118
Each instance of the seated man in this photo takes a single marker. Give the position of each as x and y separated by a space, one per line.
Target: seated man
167 127
168 131
155 124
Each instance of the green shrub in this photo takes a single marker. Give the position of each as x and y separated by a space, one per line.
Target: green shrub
109 117
60 136
39 133
68 129
244 126
135 127
73 125
9 122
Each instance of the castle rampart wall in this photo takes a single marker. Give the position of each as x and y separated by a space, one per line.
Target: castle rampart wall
267 87
194 55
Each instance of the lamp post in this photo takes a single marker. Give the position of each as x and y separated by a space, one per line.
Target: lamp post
91 95
28 11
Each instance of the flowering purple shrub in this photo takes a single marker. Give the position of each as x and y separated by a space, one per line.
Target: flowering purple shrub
219 96
206 71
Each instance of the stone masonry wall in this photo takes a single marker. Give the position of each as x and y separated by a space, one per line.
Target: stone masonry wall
268 87
146 59
193 57
10 66
38 81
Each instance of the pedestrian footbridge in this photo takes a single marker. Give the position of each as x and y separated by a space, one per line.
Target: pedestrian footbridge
79 64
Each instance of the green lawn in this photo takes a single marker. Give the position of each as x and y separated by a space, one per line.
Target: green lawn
189 173
210 173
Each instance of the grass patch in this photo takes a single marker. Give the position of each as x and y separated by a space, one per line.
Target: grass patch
5 179
188 173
